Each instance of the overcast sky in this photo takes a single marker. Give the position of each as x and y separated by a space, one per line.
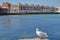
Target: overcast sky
41 2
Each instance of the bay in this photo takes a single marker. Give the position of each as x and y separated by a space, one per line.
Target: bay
13 27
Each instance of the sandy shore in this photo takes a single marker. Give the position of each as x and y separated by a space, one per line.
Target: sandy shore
33 39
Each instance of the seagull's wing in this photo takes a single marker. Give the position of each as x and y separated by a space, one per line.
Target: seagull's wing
43 34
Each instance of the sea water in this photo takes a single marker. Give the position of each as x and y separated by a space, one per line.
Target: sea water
14 27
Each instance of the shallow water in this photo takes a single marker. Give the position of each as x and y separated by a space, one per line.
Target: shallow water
13 27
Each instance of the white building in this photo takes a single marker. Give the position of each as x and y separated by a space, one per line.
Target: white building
14 8
58 9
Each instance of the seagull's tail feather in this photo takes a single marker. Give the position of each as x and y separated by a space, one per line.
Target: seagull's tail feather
46 35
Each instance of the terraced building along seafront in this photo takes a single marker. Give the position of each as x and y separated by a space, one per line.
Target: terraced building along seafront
27 8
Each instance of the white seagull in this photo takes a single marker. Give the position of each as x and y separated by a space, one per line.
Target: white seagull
41 34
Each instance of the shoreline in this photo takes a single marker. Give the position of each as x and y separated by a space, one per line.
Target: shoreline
24 13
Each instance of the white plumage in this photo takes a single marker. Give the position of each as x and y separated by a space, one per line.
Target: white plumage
40 33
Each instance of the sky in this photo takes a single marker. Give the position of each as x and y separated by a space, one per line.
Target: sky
41 2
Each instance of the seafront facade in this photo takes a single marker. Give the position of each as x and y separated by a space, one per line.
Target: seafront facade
58 9
26 8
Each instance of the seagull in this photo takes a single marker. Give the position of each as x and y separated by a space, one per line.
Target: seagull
41 34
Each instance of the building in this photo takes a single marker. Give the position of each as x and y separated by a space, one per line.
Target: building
27 8
6 5
58 9
3 10
14 8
